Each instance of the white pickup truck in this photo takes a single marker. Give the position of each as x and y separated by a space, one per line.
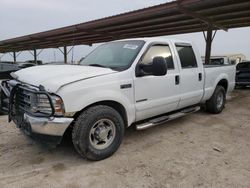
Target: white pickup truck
142 82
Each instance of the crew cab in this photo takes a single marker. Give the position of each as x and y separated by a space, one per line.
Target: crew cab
141 82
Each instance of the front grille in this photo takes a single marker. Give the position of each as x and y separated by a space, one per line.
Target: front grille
26 100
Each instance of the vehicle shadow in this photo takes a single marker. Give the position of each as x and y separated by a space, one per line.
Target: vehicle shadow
66 147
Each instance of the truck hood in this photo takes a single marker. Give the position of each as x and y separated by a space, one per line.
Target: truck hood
53 77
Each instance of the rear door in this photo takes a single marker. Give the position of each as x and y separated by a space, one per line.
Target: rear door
156 95
191 75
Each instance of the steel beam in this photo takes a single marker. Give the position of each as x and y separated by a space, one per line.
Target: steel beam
199 16
35 56
65 54
209 40
14 56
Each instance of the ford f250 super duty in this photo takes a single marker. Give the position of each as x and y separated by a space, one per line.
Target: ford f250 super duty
141 82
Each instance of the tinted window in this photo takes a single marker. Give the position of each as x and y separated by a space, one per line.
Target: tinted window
245 65
217 61
159 50
187 56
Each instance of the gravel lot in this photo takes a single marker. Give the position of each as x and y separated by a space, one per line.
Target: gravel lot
199 150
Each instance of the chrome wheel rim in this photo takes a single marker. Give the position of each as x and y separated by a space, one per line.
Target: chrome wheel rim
102 134
220 100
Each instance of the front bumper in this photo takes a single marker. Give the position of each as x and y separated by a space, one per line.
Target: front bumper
48 126
46 130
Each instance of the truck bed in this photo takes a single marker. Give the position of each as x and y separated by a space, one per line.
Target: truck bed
214 73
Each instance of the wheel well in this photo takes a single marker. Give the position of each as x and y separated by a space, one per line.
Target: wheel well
113 104
223 83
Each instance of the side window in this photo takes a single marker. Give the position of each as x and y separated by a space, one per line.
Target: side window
159 50
187 56
243 66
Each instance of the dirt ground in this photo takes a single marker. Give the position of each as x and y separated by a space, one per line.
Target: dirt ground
199 150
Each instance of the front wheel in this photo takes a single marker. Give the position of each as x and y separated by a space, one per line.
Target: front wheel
217 102
98 132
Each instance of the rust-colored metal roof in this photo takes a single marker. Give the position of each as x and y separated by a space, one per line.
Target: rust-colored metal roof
177 17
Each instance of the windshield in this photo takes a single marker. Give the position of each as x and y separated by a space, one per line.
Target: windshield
115 55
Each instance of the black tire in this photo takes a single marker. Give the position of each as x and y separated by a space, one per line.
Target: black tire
82 129
212 105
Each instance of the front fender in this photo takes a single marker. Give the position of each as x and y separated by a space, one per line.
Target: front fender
75 101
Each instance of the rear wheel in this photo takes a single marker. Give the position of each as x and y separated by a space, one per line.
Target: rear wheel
216 103
98 132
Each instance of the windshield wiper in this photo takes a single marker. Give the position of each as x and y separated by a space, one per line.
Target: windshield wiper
97 65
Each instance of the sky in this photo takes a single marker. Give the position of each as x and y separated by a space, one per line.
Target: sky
22 17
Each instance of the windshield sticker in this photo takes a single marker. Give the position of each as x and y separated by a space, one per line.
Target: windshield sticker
130 46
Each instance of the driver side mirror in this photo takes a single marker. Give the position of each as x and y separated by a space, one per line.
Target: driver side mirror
157 68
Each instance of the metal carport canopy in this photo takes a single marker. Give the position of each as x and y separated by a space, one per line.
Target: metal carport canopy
176 17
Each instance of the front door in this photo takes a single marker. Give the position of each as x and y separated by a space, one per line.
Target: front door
155 95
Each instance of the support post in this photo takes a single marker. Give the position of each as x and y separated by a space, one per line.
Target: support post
14 57
65 54
209 40
35 56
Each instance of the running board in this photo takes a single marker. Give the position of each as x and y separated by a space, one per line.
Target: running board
166 118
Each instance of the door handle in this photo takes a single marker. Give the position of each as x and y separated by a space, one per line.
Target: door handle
177 79
200 76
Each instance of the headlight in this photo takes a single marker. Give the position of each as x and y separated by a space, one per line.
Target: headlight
58 105
42 105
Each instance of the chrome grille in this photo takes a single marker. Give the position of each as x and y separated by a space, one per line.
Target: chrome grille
32 101
24 99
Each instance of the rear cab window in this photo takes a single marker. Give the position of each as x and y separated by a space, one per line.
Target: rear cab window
186 55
